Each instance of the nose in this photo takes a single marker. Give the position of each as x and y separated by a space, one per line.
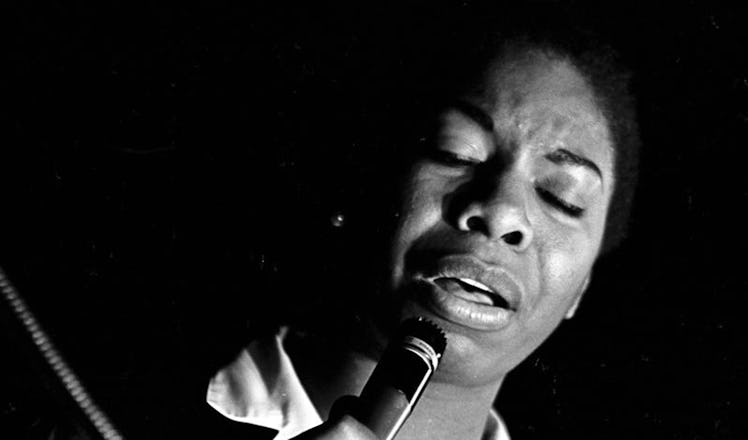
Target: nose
497 211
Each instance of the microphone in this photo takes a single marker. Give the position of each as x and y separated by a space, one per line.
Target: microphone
400 377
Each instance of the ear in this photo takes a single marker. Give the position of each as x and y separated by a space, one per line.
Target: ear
573 309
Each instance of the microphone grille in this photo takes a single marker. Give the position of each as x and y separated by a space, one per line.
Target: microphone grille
425 330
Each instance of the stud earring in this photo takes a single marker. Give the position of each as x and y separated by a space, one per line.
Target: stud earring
337 219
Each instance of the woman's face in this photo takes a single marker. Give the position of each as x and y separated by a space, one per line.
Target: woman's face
503 215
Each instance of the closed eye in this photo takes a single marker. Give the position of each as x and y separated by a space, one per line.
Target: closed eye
559 203
451 159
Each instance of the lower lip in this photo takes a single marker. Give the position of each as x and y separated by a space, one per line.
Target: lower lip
464 312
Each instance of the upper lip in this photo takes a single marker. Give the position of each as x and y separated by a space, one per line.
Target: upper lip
498 280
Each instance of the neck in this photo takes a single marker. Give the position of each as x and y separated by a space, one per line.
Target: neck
449 411
445 410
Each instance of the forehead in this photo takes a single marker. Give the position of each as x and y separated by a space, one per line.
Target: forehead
545 101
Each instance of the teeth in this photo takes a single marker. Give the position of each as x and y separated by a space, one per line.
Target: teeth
476 284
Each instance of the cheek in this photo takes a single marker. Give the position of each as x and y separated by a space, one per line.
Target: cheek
565 261
422 205
420 211
567 254
565 272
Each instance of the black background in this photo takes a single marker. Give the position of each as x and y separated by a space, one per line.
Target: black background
167 169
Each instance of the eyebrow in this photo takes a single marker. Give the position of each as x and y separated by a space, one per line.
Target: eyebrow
475 113
563 156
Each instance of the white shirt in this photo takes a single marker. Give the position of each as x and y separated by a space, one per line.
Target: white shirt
261 387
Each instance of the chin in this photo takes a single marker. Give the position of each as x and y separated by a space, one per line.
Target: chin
473 358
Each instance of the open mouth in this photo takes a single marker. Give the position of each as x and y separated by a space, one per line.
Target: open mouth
471 290
465 291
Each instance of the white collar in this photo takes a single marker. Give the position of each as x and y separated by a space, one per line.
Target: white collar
261 387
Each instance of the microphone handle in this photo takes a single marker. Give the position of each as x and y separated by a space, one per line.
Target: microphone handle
396 385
